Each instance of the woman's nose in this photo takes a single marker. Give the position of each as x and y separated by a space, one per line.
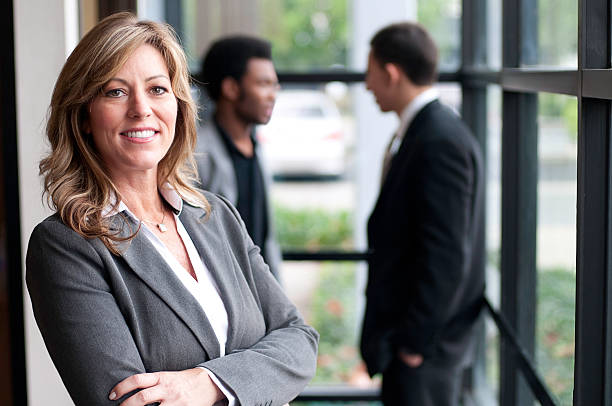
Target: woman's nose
139 106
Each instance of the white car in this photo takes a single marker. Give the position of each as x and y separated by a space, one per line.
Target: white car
305 136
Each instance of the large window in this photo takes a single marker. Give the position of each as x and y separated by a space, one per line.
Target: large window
546 135
556 242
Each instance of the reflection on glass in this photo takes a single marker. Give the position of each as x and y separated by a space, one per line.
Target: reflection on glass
556 243
442 18
558 33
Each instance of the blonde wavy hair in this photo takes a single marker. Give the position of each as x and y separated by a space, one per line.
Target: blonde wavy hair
75 182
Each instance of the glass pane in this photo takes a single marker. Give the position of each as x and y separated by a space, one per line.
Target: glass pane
304 34
557 33
308 146
556 242
450 95
330 298
442 18
494 33
310 35
318 208
311 146
493 232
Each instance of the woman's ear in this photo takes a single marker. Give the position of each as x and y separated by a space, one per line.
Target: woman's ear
230 89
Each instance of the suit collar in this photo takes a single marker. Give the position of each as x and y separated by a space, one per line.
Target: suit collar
152 269
413 109
168 193
405 148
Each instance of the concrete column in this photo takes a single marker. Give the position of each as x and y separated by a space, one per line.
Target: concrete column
45 32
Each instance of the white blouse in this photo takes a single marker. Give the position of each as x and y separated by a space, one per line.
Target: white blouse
204 290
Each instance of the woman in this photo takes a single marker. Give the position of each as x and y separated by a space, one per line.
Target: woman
146 290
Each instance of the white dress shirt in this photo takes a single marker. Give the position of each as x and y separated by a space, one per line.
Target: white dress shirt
408 114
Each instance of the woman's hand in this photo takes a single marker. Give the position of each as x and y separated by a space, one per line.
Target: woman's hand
188 387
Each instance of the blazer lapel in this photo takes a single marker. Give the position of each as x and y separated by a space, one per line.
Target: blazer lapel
218 258
407 146
146 262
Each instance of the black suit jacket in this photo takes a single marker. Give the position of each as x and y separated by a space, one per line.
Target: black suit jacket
426 271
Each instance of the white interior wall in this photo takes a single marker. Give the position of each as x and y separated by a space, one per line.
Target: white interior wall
45 32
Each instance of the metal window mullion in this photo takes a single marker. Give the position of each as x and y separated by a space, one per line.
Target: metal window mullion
592 263
593 362
518 253
519 200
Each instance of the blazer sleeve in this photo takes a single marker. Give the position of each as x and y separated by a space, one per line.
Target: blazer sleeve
276 368
444 199
80 321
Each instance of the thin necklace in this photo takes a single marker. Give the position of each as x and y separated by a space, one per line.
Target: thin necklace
162 227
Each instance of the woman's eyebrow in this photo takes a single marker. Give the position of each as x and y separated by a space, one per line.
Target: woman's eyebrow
150 78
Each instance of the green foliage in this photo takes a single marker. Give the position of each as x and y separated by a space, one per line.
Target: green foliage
334 317
555 331
570 117
557 32
306 34
441 18
564 107
313 228
333 310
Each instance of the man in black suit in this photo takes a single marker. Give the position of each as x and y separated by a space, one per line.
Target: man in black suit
426 271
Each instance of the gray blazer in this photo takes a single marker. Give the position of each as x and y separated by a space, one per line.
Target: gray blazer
217 175
105 317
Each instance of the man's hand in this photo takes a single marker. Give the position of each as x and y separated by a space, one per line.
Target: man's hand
188 387
412 360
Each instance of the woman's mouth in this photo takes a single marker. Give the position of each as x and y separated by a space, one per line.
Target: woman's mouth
139 134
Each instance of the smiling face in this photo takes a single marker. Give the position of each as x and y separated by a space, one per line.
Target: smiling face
258 88
132 120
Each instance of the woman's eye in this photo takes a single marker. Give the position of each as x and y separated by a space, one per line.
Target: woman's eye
158 90
115 93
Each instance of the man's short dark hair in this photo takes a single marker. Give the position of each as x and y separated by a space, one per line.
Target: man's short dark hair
229 56
410 47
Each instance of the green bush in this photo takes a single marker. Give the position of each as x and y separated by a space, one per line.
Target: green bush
334 317
333 304
312 229
555 331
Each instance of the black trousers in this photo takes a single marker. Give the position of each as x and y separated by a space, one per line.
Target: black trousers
430 384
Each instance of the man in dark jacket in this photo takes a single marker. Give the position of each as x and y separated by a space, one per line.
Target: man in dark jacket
426 272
